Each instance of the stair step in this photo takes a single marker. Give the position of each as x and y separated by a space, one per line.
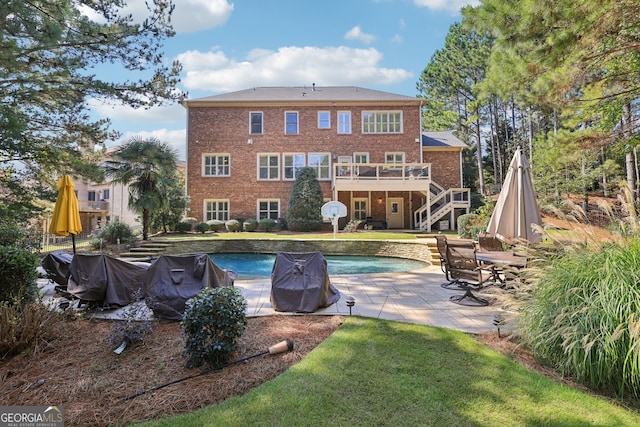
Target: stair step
147 249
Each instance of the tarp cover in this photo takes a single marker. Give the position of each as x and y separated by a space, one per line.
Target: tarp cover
300 282
107 280
174 279
57 264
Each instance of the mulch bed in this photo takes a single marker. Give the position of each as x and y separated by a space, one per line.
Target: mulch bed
80 371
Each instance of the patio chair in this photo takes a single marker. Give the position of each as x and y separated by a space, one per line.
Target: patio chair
465 268
441 242
488 242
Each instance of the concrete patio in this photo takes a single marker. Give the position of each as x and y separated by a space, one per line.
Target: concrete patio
413 297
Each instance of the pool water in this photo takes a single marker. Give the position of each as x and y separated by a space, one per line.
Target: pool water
260 265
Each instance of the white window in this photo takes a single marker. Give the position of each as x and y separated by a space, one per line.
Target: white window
344 121
292 164
269 209
382 122
324 120
216 165
322 165
216 209
396 158
291 122
256 122
268 166
360 157
360 209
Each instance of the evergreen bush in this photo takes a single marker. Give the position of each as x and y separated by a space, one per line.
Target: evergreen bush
18 269
305 203
116 233
213 322
202 227
215 225
250 225
267 224
465 225
232 225
183 227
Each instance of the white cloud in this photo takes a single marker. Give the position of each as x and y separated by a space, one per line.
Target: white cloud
165 114
175 138
356 34
213 71
188 15
450 5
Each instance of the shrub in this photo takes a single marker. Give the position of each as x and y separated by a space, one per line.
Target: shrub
18 269
215 225
213 322
130 330
465 224
202 227
232 225
583 317
27 327
183 227
250 225
267 224
115 233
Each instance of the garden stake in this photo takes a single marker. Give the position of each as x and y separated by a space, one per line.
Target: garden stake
281 347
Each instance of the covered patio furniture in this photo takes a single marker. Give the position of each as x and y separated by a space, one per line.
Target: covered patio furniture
174 279
300 283
105 281
56 264
465 268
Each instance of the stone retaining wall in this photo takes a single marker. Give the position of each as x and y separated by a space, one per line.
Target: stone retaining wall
410 249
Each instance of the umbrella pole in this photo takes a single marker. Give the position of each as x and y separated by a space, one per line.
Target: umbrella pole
73 241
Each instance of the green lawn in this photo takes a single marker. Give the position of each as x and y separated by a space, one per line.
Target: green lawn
360 235
373 372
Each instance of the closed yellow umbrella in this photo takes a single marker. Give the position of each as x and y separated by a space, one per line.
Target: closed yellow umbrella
66 215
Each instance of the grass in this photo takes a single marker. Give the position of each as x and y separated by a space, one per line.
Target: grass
360 235
376 372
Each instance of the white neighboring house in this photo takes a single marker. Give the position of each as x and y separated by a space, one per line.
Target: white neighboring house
103 203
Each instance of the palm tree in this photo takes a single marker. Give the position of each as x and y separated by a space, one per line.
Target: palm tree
144 165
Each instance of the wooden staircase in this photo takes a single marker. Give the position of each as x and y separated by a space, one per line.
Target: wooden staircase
148 250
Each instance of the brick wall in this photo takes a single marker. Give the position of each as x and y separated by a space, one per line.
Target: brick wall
226 130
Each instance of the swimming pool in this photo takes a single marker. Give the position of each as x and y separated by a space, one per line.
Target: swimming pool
249 265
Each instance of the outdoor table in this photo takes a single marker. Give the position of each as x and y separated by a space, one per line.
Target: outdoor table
502 259
499 260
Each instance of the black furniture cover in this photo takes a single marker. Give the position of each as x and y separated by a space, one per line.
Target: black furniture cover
105 280
174 279
57 264
300 282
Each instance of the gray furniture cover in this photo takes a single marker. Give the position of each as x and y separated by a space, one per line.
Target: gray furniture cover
174 279
105 280
300 282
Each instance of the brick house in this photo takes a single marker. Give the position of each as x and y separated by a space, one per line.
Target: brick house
367 147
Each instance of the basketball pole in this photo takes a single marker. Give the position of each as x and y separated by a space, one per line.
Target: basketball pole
334 222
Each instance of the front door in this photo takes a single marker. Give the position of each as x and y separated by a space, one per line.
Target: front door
395 212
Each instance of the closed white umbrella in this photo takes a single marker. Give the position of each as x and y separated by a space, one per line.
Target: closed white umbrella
516 209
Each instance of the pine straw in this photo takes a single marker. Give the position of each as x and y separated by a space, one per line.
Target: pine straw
81 372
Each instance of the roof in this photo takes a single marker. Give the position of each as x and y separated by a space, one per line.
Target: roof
304 94
444 138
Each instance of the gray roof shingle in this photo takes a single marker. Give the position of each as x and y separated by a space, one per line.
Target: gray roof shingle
312 93
444 138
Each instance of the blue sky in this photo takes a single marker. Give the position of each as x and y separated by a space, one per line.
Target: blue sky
227 46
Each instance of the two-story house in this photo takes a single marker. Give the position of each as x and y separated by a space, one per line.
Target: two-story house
244 150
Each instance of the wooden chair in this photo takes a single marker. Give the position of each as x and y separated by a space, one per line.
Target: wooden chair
465 269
